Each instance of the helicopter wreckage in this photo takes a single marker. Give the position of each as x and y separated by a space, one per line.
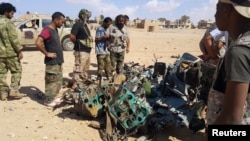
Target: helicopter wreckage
152 97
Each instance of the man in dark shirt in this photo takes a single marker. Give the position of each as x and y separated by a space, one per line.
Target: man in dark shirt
81 37
229 98
48 42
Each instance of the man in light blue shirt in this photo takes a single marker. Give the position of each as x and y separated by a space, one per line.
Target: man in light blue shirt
101 48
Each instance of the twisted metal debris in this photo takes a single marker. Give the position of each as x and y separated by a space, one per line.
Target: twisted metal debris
152 96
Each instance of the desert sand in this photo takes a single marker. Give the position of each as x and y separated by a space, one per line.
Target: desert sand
28 119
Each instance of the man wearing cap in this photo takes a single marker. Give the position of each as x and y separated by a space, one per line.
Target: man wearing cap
229 98
81 37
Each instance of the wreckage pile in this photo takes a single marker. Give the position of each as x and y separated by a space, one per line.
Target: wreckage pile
149 97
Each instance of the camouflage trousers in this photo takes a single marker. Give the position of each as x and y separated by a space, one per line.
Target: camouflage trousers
246 118
13 65
117 60
82 61
215 106
53 81
103 63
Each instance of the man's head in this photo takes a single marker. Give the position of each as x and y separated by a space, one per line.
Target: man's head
233 16
230 12
241 6
119 21
33 22
84 14
7 9
58 19
107 22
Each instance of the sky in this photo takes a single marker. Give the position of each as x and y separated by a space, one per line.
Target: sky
143 9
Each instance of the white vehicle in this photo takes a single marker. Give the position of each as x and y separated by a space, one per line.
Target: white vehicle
28 35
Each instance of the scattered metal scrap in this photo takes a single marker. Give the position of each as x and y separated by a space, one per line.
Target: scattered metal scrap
152 96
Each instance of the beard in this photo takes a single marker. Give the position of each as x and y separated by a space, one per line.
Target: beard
120 26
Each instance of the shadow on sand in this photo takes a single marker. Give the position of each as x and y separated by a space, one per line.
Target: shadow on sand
33 92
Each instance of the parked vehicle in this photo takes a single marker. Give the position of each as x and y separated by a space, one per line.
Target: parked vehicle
27 35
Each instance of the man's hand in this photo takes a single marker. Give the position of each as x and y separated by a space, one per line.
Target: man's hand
127 49
51 55
106 36
20 55
204 57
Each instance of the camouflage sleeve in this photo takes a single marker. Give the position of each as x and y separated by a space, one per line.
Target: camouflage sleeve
13 37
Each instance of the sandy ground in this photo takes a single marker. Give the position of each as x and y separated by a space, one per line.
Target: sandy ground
28 119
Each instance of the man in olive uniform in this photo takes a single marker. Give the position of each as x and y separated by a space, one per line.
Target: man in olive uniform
10 53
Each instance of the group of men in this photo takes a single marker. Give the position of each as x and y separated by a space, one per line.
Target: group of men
229 97
111 42
110 45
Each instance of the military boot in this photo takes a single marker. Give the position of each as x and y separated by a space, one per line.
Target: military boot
16 94
3 95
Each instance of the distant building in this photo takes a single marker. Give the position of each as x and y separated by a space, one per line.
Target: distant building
130 23
179 25
147 25
204 24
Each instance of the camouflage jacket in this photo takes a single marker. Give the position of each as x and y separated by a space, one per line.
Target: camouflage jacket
9 43
119 38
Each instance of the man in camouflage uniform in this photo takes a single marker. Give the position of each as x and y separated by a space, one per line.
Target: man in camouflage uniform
119 43
101 48
48 42
80 36
10 53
